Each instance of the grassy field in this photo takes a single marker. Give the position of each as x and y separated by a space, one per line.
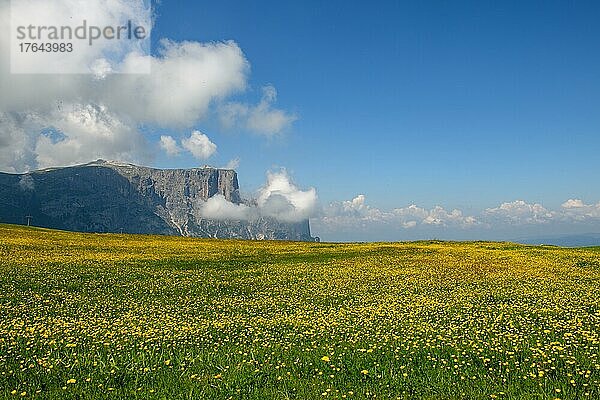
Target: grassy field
116 316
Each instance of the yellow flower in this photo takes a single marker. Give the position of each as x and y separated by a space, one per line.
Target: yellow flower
325 358
218 376
71 381
364 372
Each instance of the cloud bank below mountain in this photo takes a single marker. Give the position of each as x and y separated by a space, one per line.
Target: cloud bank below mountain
356 220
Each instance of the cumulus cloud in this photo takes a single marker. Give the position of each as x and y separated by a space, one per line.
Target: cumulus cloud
81 133
440 217
186 77
169 145
577 210
279 198
520 212
98 58
348 211
106 124
199 145
572 204
101 68
218 208
262 118
413 214
355 219
186 81
232 164
357 213
16 145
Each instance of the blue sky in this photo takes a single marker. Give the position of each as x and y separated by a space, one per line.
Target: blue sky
489 110
463 104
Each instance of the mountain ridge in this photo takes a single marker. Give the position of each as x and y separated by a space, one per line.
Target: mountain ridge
109 196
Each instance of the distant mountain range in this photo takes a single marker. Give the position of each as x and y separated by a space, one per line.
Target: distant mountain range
107 196
579 240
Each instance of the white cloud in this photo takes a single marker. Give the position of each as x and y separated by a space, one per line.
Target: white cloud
356 204
169 145
577 210
409 224
187 79
279 198
232 164
412 213
440 217
218 208
357 214
262 118
199 145
573 204
81 133
519 212
352 216
101 68
98 58
16 145
355 219
283 200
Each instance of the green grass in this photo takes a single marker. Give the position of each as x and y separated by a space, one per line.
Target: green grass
150 317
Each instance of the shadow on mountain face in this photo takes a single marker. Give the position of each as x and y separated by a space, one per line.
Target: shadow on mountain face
88 199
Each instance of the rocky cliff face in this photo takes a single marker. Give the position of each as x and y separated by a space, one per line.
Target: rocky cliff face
111 197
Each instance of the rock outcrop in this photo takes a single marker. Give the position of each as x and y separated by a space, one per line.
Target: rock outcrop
114 197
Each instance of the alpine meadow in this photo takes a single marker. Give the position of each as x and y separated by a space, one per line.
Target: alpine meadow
87 316
299 200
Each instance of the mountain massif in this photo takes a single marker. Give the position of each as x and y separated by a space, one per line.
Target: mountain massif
113 197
